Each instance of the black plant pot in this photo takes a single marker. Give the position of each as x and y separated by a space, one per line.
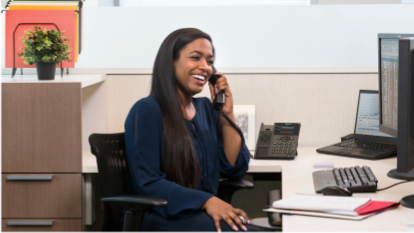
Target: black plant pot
46 71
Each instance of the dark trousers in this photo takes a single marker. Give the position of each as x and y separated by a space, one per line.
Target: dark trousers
200 222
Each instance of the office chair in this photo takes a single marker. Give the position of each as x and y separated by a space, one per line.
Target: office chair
109 150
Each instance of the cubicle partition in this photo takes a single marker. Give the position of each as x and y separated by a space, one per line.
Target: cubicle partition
324 104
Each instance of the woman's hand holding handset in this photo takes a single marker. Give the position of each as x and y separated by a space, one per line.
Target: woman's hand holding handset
218 210
222 84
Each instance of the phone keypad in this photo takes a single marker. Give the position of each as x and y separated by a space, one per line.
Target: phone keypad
284 148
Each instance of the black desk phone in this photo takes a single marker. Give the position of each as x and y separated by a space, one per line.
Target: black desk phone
277 141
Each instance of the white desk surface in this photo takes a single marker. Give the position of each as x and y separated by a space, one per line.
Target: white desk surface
297 178
307 156
84 80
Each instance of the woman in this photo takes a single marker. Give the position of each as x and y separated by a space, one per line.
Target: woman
177 146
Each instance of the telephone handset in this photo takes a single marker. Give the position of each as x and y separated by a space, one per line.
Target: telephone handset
218 104
220 99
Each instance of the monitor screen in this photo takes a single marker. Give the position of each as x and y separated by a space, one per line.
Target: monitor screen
367 122
389 82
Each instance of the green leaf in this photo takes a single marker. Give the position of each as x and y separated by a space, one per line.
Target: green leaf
44 45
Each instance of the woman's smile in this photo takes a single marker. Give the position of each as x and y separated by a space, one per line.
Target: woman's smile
200 79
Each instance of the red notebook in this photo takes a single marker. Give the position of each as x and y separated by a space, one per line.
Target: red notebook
377 206
63 19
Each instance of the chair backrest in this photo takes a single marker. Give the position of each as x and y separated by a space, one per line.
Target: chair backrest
109 150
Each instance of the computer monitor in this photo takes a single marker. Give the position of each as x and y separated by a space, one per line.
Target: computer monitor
396 101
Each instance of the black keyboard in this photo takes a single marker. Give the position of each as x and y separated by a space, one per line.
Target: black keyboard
355 179
368 145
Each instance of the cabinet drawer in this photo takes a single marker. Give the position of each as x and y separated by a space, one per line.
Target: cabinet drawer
41 225
41 128
41 196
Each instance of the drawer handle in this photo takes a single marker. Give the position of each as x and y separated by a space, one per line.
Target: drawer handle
29 178
29 223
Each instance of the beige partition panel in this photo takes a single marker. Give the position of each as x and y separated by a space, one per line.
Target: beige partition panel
324 104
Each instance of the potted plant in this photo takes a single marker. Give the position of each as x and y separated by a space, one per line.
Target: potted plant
45 48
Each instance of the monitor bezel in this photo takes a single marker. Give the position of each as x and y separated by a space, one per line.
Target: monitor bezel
383 128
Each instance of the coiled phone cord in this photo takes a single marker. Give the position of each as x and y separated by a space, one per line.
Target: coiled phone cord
237 129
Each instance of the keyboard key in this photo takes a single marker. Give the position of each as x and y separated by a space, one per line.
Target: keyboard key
370 174
359 171
372 184
348 174
354 184
364 181
345 185
354 173
337 175
344 177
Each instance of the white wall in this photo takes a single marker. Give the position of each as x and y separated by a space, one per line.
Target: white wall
251 36
91 3
342 2
245 36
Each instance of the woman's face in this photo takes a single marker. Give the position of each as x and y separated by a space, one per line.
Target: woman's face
194 66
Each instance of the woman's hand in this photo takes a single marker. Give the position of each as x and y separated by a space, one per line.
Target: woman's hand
222 84
220 210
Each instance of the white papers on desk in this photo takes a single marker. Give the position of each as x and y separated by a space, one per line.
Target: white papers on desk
328 204
318 214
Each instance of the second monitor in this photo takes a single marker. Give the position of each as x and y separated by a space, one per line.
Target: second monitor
396 100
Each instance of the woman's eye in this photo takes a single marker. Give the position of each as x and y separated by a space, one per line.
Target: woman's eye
194 57
211 62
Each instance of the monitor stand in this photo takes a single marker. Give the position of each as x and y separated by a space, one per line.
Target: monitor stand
407 201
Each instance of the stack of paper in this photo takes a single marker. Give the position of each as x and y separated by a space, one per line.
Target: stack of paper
23 15
352 208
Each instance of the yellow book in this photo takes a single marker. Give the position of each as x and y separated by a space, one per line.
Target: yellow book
42 7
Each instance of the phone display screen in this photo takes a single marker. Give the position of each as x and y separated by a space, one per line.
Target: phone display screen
285 129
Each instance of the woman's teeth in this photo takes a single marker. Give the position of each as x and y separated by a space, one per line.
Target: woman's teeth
199 77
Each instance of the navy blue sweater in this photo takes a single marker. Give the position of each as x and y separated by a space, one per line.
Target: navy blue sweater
144 140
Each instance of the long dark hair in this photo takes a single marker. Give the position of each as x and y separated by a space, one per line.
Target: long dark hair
180 160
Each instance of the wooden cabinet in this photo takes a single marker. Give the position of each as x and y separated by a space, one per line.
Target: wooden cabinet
42 141
41 127
41 196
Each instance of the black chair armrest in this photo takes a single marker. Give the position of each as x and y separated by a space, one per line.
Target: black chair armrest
134 208
228 187
236 184
136 202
